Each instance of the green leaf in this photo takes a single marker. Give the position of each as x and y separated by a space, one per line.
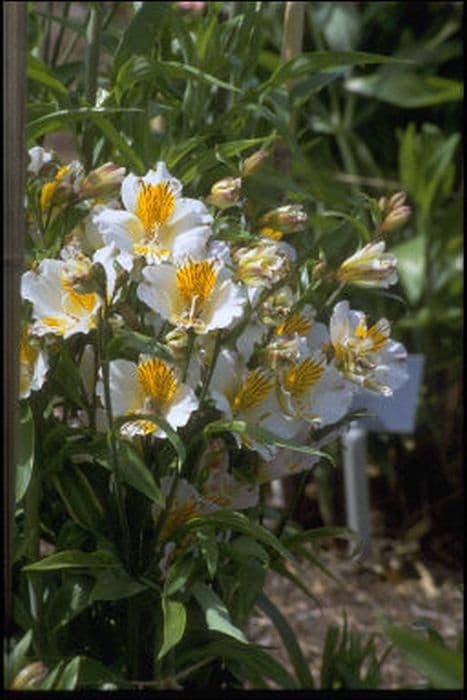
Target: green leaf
317 533
134 472
179 573
261 435
356 223
74 559
68 679
444 668
411 266
17 658
209 550
239 523
115 584
68 602
307 63
174 625
245 547
26 453
130 344
38 71
290 641
408 90
141 34
217 615
253 659
79 498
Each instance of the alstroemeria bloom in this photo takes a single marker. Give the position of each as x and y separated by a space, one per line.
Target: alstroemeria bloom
369 267
151 386
220 487
158 223
57 307
365 355
248 395
312 391
264 264
33 366
196 295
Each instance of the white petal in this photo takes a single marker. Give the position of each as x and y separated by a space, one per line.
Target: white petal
43 287
125 391
121 227
225 305
331 396
190 244
184 403
159 289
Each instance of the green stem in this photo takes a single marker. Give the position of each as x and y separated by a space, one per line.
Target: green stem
288 513
91 70
211 368
58 42
116 480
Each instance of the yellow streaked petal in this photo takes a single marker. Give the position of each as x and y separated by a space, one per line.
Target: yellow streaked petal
158 381
195 281
154 206
253 391
298 379
294 324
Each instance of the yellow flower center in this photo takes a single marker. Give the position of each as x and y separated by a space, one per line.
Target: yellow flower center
75 304
377 334
158 382
253 391
271 233
48 190
154 206
294 324
195 283
298 379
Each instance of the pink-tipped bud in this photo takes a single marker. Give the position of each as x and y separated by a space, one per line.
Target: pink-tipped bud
30 676
254 162
191 7
396 218
225 193
104 181
288 219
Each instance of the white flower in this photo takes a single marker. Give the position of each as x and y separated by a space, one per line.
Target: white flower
196 295
158 223
220 487
187 503
366 356
264 264
33 366
369 267
57 306
248 395
38 157
151 386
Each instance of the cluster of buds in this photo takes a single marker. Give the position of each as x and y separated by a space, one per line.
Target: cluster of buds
395 211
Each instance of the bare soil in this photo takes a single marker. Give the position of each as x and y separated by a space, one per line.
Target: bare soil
391 581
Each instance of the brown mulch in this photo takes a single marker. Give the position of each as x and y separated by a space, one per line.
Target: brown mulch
391 581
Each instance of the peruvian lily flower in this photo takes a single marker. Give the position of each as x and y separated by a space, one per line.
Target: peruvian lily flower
220 487
365 355
151 386
197 295
248 395
57 307
157 223
33 365
369 267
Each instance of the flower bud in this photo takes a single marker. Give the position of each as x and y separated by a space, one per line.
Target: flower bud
191 7
30 676
225 193
396 218
288 219
272 233
104 181
177 342
395 211
369 267
261 265
253 163
319 271
65 184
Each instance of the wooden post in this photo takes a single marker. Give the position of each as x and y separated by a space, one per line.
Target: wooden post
14 166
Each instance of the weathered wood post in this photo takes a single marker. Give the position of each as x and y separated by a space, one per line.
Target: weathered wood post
14 166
